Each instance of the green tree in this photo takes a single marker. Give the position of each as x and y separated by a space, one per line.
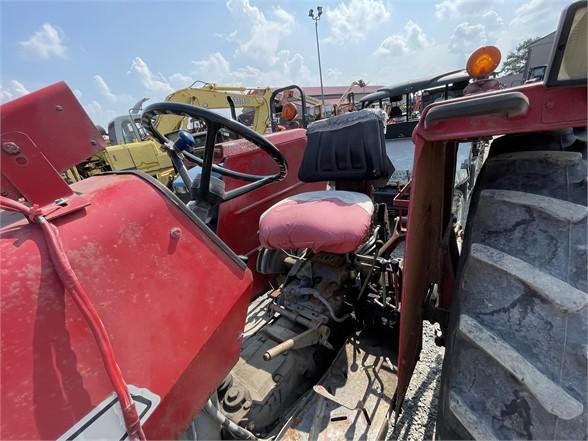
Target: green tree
515 60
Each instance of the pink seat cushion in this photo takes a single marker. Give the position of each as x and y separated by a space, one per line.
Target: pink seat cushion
330 221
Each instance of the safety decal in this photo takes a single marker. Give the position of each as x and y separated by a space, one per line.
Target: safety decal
105 421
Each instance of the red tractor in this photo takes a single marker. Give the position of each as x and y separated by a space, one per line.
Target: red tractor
125 313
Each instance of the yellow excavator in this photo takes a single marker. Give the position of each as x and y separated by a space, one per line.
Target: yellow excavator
132 148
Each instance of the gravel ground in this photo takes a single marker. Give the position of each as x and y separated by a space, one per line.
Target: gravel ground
417 421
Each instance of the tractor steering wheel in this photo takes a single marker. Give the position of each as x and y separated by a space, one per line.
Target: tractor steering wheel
214 122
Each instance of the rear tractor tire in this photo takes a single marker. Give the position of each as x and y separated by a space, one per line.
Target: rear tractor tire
516 361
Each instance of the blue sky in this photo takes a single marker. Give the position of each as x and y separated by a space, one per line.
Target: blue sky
112 53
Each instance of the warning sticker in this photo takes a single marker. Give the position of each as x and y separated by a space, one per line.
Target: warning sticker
106 421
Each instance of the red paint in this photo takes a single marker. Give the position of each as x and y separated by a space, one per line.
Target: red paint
239 218
449 282
172 308
53 133
172 299
72 284
17 170
549 109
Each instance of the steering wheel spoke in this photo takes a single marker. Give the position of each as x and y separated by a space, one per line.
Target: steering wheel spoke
211 131
214 122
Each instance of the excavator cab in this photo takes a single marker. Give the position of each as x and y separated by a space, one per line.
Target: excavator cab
126 129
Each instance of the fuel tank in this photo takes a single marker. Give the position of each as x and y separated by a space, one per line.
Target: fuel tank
172 296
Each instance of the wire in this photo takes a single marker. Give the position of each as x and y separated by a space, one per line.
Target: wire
72 284
294 256
316 294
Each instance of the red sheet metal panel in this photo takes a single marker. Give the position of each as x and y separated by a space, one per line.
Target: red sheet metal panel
174 306
62 135
548 109
239 218
23 170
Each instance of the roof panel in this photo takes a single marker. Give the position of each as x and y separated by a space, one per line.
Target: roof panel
455 76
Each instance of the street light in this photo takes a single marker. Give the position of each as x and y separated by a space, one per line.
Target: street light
316 18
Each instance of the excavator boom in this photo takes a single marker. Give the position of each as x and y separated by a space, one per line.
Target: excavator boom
212 96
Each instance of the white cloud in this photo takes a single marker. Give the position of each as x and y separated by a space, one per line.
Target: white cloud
463 9
536 17
99 114
93 107
5 95
286 68
292 69
215 68
414 38
105 91
78 94
228 37
478 20
394 45
333 75
179 80
45 43
13 90
485 27
467 37
433 59
19 88
259 36
350 22
150 81
492 21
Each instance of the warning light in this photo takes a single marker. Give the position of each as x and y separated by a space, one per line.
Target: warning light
483 61
289 111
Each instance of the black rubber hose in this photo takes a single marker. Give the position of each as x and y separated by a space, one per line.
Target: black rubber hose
235 429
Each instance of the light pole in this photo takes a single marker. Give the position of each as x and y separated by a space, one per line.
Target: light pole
316 18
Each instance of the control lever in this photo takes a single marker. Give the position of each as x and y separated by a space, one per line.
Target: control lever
310 337
319 389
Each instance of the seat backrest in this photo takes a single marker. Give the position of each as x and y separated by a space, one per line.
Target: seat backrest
347 147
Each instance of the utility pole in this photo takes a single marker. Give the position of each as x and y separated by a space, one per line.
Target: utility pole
316 18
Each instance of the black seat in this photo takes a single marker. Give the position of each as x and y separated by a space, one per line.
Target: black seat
348 147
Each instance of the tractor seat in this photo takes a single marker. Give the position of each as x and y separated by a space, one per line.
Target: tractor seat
329 221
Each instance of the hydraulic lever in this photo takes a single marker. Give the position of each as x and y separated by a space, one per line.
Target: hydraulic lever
310 337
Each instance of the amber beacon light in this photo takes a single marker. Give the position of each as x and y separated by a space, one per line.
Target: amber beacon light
483 61
289 112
